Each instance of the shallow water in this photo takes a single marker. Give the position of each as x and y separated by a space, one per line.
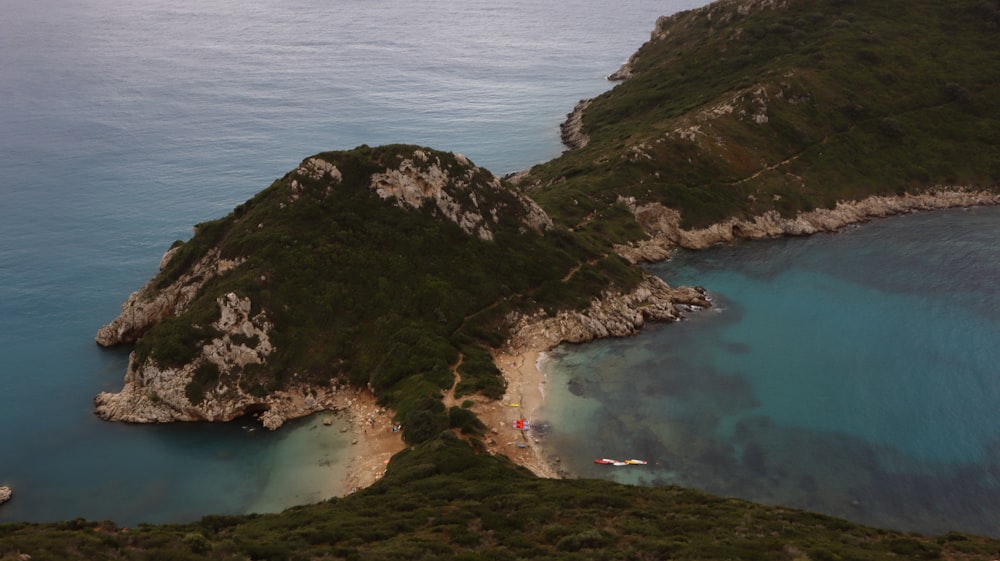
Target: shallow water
853 374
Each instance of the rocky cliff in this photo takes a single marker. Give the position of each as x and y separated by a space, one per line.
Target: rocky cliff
154 393
571 130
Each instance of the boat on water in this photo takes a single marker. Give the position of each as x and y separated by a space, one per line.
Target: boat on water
610 462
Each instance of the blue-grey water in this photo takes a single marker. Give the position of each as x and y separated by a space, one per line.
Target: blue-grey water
854 374
125 122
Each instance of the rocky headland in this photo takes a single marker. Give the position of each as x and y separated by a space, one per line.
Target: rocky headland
242 333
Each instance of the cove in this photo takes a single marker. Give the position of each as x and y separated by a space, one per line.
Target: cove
852 374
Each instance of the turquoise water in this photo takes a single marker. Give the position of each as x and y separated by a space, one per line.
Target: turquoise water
853 374
124 123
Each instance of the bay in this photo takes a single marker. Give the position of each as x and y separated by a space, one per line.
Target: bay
852 374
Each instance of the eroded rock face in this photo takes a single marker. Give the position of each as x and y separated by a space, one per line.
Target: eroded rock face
147 306
158 394
426 180
663 224
571 130
612 315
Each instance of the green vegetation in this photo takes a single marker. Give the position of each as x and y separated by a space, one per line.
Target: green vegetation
728 114
442 500
791 109
785 109
364 292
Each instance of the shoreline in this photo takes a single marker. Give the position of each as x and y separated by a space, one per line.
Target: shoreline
524 398
520 359
662 224
373 442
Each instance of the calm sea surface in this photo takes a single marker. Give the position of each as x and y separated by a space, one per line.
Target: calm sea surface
853 374
125 122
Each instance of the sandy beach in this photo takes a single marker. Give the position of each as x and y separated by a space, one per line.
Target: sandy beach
524 398
374 442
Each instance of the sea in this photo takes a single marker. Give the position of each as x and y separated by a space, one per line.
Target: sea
123 123
851 374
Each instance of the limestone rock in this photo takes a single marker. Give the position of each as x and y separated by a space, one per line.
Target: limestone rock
426 179
157 394
148 305
571 129
612 315
665 233
5 494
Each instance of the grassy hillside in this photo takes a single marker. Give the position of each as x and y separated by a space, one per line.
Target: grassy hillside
739 108
443 501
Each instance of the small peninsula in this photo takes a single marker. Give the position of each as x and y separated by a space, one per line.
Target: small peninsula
393 270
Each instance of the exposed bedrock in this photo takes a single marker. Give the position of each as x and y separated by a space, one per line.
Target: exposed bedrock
665 232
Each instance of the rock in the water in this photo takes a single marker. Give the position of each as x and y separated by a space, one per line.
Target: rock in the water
5 494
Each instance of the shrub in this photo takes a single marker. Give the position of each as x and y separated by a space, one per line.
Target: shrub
459 418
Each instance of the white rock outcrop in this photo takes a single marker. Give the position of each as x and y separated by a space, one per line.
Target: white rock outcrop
148 305
665 233
460 195
157 394
614 314
5 494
